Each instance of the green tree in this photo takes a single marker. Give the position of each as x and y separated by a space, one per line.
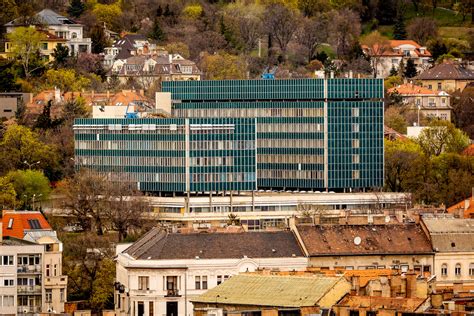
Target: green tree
399 29
66 80
102 295
440 137
9 11
393 72
76 8
410 69
99 39
31 186
7 194
7 76
25 43
21 146
109 14
394 119
156 32
223 66
61 55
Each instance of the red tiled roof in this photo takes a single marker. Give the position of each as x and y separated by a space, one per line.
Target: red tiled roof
467 206
16 222
394 44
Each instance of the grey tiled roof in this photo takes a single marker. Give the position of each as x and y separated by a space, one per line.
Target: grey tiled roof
47 17
156 245
446 71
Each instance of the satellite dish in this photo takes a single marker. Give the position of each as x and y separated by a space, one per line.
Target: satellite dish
387 219
357 240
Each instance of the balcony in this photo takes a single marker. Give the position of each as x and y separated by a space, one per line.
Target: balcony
172 293
29 289
29 269
55 281
23 310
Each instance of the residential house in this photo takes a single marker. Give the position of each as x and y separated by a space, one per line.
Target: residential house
46 50
453 243
432 104
60 27
149 69
163 272
11 101
396 52
37 254
253 294
127 46
397 246
448 76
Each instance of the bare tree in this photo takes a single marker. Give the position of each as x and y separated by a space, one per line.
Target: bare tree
376 45
422 29
311 34
125 209
281 23
345 27
250 28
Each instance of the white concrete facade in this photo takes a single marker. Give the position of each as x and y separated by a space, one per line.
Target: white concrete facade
153 287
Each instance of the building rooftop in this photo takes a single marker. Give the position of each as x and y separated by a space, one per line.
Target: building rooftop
159 245
446 71
277 291
374 302
46 17
451 234
12 241
395 50
411 89
353 240
18 223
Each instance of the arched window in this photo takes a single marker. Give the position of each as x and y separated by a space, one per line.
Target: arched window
457 269
471 269
444 269
73 35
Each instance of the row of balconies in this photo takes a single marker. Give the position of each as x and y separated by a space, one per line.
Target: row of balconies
29 289
28 309
29 268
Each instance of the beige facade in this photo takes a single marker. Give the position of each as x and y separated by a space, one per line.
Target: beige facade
449 85
456 267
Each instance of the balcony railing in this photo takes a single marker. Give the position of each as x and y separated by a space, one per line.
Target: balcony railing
29 268
22 310
172 293
29 289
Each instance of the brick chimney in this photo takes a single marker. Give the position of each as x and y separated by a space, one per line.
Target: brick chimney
411 284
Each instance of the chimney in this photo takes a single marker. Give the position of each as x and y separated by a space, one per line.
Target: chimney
350 74
411 284
332 75
108 94
57 95
457 287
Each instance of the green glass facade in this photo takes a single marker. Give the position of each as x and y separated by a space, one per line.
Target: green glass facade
171 155
311 133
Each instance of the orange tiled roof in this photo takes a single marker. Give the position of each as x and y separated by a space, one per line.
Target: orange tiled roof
469 151
377 302
466 205
16 222
411 89
394 44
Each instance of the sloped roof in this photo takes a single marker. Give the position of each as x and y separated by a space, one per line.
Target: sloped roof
22 221
451 234
159 245
47 17
330 240
270 290
446 71
393 51
411 89
376 302
51 37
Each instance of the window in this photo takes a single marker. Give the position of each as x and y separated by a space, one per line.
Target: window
151 311
200 282
10 223
143 283
34 224
439 86
355 159
355 128
61 295
8 300
48 268
221 278
8 282
355 112
7 260
355 174
44 46
444 269
49 295
355 143
471 269
457 269
55 270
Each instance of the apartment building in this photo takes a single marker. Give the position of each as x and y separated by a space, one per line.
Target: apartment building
35 256
448 76
161 273
453 243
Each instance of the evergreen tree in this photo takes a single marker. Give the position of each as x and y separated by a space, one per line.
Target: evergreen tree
438 48
76 8
401 68
61 55
99 39
156 32
410 70
159 11
393 71
399 29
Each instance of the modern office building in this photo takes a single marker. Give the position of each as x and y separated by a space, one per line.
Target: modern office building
171 155
322 134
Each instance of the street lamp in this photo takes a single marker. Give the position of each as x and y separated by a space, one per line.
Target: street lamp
31 164
35 195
